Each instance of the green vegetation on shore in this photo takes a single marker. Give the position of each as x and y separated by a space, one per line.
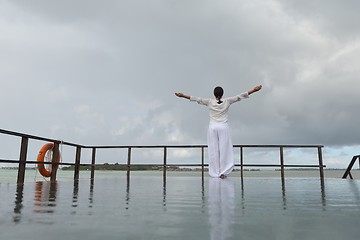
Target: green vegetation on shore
140 167
119 167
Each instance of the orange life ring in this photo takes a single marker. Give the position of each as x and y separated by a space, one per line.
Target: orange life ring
40 159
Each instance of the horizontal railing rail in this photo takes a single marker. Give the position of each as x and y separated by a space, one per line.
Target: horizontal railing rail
24 135
22 161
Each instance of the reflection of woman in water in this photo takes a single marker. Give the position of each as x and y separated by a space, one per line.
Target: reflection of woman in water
221 208
220 147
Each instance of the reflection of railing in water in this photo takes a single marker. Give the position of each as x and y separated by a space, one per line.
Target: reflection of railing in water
18 203
25 140
351 164
45 197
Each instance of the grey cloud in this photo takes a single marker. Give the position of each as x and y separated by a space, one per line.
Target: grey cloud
106 73
337 19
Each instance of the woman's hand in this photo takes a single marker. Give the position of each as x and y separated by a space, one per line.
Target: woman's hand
179 94
255 89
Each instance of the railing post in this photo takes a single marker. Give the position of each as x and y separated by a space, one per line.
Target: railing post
129 160
93 163
282 162
348 169
54 162
241 162
22 160
165 155
321 168
77 163
202 161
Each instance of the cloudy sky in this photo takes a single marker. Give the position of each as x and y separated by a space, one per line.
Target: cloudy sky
105 72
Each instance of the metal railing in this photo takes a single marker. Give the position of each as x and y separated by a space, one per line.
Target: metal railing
22 161
351 164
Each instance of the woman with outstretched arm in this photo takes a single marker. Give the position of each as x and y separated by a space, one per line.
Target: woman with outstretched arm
220 147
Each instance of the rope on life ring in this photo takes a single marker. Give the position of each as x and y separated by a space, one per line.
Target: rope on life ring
40 159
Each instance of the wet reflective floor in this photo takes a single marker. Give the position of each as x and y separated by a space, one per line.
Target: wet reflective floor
148 206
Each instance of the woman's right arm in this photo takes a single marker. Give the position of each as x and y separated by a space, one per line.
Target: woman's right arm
203 101
181 95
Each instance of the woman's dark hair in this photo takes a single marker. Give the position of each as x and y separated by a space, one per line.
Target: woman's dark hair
218 93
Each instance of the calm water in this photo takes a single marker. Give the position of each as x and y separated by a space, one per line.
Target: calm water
182 206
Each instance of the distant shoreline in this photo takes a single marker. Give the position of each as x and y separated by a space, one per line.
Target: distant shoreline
108 167
247 173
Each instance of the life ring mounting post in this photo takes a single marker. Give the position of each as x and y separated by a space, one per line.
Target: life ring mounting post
49 152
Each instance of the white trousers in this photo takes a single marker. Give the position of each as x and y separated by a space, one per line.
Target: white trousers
220 150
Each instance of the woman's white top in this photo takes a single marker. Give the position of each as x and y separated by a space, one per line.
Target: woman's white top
219 112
